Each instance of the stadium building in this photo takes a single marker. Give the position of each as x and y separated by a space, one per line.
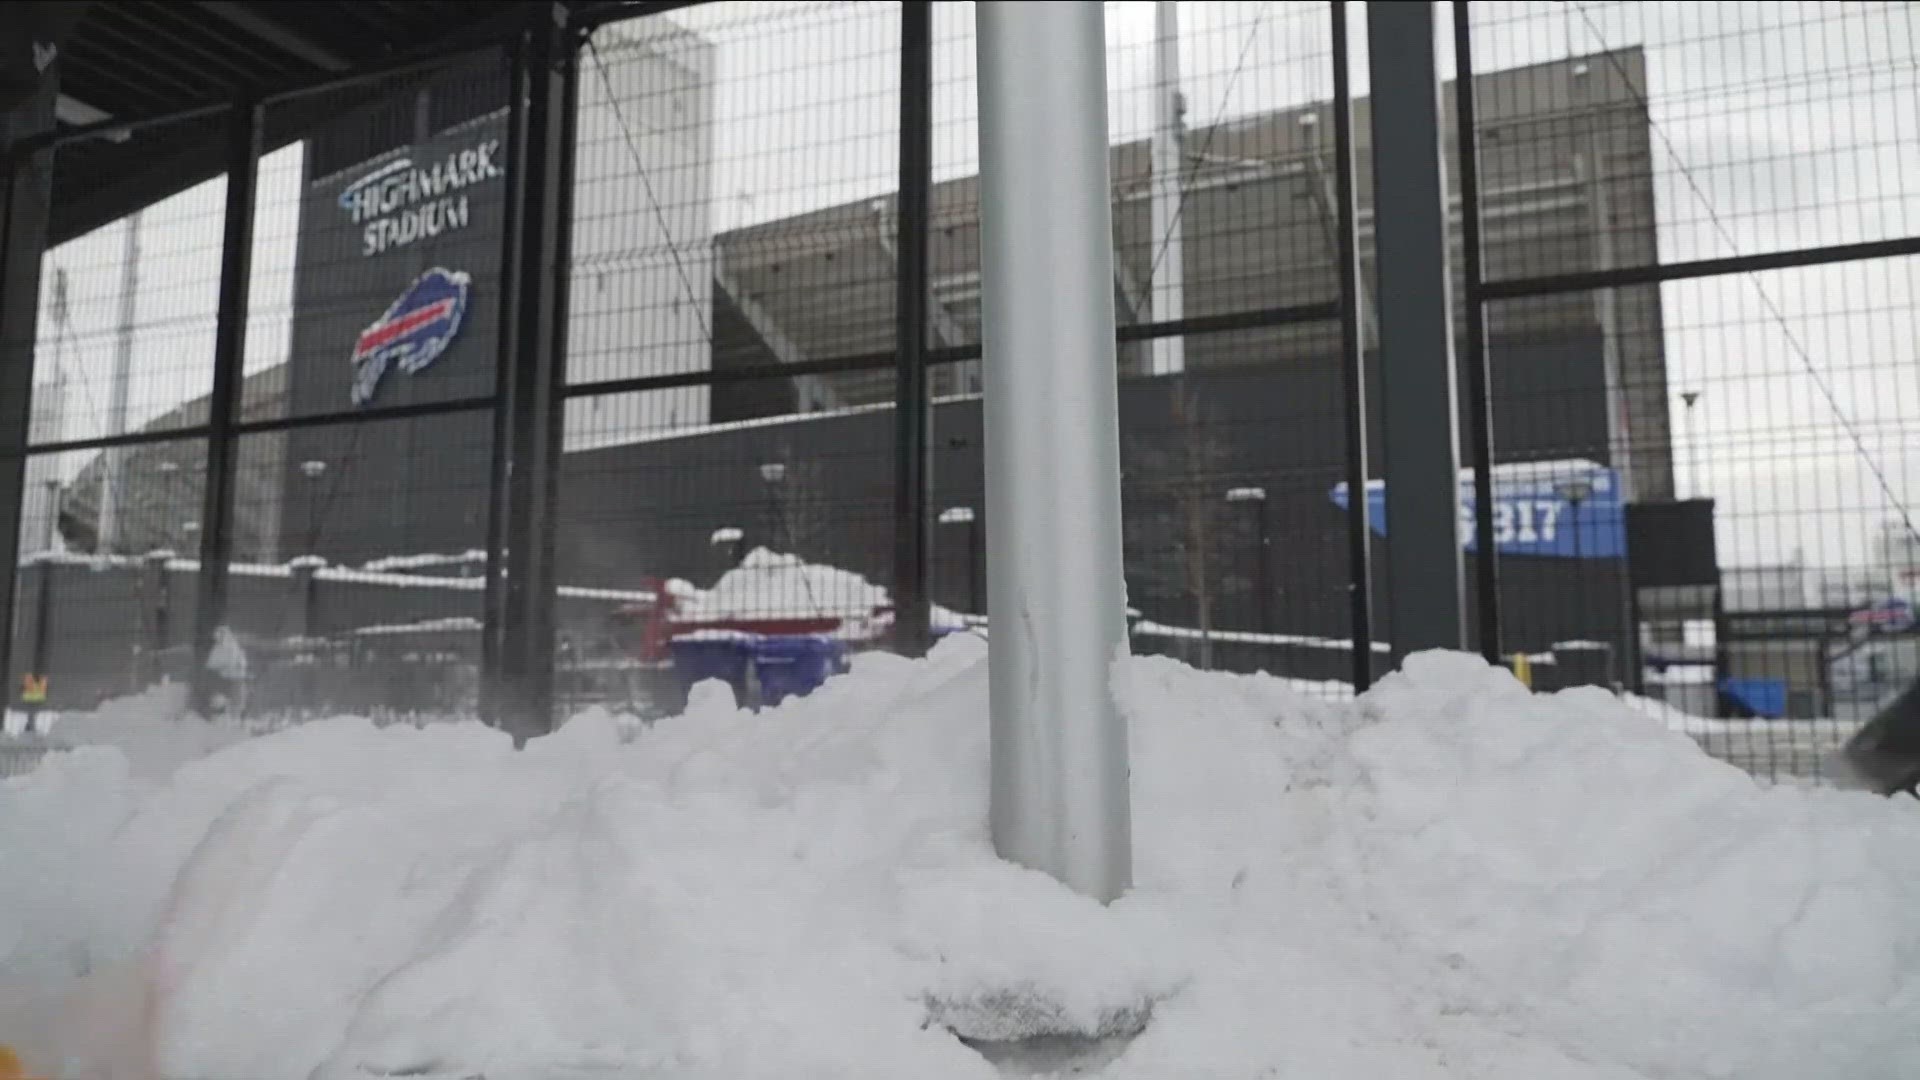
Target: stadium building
396 302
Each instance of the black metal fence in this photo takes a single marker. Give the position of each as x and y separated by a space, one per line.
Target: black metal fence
594 315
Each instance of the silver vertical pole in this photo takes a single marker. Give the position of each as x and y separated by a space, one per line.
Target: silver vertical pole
1056 587
107 535
1168 286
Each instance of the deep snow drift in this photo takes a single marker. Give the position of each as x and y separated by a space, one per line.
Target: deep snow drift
1446 878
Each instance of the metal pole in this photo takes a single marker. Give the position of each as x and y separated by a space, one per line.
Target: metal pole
975 602
1266 568
26 195
1479 404
53 515
537 384
1353 358
911 627
42 636
1167 278
229 361
1419 402
107 528
1060 802
493 704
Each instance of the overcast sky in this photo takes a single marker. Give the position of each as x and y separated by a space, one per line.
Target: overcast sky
1777 125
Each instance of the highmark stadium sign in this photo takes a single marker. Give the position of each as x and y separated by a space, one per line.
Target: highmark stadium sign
403 201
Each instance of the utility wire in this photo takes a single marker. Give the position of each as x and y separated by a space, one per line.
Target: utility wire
1766 299
1206 145
679 266
653 201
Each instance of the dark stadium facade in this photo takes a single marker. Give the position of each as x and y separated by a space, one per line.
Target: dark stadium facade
419 189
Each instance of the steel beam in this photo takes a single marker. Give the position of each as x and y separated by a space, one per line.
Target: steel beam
536 383
245 138
912 525
494 705
1060 802
253 20
1353 354
1486 556
814 393
1420 409
1657 273
26 196
945 327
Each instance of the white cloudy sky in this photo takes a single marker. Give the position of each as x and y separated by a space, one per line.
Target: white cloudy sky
1777 125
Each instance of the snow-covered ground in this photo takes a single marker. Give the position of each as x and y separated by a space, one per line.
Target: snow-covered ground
1447 877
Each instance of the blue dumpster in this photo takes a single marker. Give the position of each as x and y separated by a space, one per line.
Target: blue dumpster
796 666
1764 698
712 655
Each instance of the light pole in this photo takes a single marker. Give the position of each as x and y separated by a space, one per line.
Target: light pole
1576 491
43 614
964 515
1690 398
168 470
774 473
53 513
1256 500
313 470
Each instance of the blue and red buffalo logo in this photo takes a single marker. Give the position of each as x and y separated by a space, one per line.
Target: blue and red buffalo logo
412 333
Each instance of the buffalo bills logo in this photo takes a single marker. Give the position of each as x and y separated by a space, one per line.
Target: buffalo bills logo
412 333
1891 616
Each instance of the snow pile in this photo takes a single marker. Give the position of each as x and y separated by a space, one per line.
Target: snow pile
152 731
769 585
1447 877
425 561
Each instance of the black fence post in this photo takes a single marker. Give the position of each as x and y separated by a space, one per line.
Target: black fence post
305 599
1353 359
154 601
38 685
1419 398
246 122
26 196
536 382
493 704
912 631
1486 557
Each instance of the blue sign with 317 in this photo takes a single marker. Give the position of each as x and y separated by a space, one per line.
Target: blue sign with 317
1552 509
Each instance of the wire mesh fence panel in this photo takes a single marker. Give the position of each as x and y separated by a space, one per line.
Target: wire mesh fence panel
1222 172
127 310
733 535
123 349
1224 207
1727 460
732 207
732 215
378 233
358 568
89 626
1744 128
1235 532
